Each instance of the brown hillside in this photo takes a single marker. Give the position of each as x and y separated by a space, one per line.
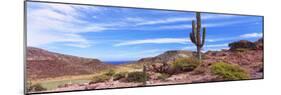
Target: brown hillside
45 64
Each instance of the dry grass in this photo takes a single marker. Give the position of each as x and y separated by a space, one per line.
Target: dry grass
53 83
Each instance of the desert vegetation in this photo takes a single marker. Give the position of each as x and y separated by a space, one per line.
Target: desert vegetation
36 87
185 64
229 71
239 63
58 72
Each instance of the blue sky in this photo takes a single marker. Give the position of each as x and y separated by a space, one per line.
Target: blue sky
118 34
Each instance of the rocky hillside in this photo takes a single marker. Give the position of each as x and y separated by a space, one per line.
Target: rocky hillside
244 60
45 64
246 54
167 57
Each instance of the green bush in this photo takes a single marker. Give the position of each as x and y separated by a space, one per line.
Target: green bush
120 75
110 72
36 87
229 71
185 64
100 78
136 77
163 76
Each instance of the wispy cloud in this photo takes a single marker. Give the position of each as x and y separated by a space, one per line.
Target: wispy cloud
242 36
58 23
208 25
167 20
155 41
64 26
251 35
221 39
134 19
171 41
182 19
217 45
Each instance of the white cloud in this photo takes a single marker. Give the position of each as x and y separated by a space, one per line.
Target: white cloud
167 20
79 45
189 26
216 16
170 41
240 37
52 23
134 19
181 19
220 39
174 27
220 24
216 45
215 49
155 41
251 35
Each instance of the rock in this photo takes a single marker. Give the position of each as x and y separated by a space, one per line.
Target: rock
259 44
157 66
153 76
242 44
246 45
162 63
177 77
162 68
92 86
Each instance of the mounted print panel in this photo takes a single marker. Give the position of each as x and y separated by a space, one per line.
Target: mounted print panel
76 47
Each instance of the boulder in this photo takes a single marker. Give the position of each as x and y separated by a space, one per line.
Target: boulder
259 44
242 44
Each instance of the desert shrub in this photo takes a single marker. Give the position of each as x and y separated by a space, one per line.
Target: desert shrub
163 76
229 71
100 78
185 64
198 71
120 75
110 72
36 87
136 77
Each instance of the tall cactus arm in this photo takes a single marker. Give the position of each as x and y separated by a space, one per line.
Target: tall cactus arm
198 28
192 38
193 27
203 37
198 21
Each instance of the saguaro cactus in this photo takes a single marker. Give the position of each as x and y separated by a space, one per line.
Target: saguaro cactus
144 75
195 35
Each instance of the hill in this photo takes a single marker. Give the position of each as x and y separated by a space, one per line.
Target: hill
46 64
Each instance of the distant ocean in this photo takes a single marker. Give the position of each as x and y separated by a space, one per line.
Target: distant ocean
117 62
